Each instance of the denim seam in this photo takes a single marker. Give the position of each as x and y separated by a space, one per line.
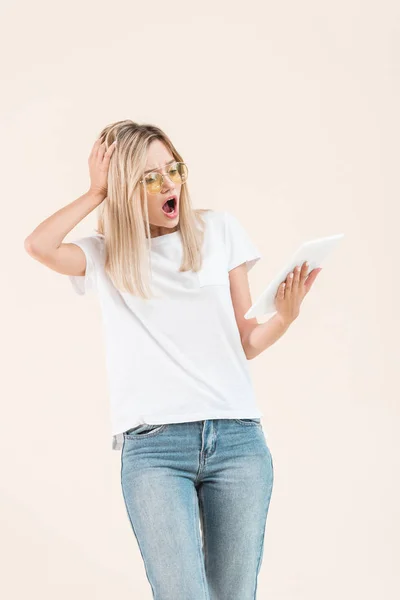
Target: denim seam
199 470
211 451
202 459
130 520
260 553
204 527
196 525
212 447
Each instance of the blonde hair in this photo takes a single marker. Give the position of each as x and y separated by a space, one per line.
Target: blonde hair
123 215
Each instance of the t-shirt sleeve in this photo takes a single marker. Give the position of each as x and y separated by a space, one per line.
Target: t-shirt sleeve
87 282
240 248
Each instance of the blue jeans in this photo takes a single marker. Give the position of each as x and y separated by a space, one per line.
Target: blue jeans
197 495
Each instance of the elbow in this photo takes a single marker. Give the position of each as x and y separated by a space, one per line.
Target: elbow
28 246
250 355
248 351
32 248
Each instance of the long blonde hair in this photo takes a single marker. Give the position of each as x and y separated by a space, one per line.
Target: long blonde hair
123 215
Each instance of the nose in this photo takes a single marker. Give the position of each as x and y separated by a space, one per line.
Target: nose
167 182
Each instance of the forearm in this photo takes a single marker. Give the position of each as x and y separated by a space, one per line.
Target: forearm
264 335
49 234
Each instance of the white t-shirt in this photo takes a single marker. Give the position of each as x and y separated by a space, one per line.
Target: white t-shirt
178 357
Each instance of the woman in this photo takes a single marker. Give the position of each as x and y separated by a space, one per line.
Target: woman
173 287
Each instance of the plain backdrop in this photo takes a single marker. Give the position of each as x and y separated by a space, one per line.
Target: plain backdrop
287 115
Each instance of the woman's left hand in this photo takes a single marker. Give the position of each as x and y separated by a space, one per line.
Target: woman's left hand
292 292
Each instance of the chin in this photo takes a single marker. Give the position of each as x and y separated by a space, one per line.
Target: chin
171 223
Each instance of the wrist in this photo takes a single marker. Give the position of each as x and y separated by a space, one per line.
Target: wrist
96 195
285 322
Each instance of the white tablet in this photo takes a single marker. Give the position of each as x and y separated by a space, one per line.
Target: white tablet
314 251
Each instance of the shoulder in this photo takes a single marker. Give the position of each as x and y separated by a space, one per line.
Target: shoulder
214 220
222 222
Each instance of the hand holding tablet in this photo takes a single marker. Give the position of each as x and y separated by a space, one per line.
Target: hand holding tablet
314 251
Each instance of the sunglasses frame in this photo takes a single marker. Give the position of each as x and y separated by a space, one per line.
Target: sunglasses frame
178 162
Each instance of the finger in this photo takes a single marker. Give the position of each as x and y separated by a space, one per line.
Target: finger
296 277
94 147
110 150
311 278
303 273
280 292
289 283
314 273
101 150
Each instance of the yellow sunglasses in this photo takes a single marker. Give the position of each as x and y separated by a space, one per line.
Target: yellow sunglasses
177 172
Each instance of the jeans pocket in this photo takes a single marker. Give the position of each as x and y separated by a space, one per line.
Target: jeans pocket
144 430
253 421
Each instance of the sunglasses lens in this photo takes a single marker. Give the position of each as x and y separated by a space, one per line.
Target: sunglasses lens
153 183
177 172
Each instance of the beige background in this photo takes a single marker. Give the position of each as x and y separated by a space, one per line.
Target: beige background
287 115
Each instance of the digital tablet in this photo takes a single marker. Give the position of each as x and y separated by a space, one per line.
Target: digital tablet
314 251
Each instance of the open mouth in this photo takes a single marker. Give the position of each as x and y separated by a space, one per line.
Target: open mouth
170 207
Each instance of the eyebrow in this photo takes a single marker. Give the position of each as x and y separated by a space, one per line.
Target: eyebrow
157 169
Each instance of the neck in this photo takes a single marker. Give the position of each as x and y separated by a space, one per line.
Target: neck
156 231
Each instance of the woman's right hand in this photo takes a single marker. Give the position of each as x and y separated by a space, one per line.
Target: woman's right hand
99 161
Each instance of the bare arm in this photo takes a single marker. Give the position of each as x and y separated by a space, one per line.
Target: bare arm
263 335
255 337
45 243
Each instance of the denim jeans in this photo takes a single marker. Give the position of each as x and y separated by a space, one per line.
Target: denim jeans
197 496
